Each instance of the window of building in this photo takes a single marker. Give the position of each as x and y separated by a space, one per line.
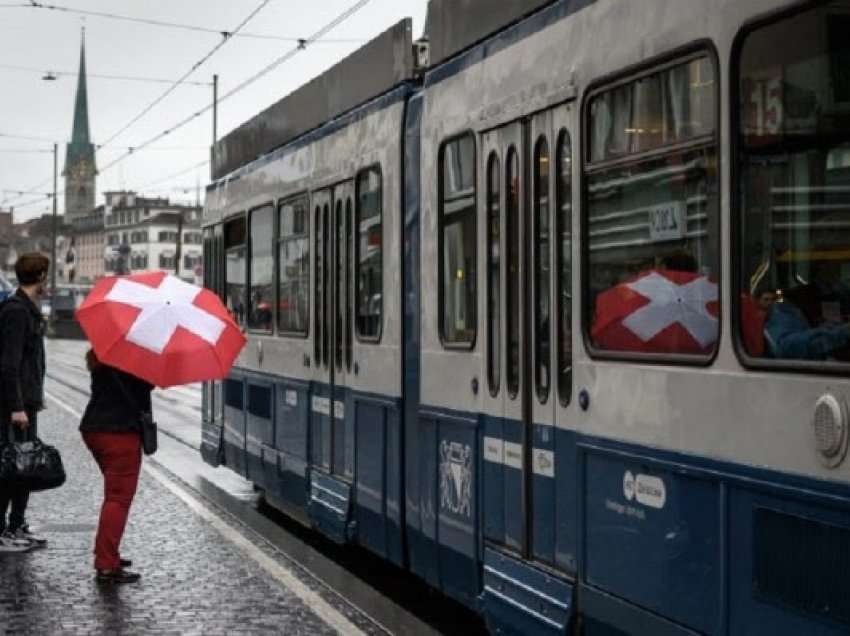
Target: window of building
294 266
457 264
167 261
563 247
168 237
234 271
370 273
261 302
494 274
191 261
652 230
542 270
793 267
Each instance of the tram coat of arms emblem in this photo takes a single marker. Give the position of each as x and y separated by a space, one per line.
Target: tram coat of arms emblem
456 478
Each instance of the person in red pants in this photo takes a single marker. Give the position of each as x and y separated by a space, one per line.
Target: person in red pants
111 431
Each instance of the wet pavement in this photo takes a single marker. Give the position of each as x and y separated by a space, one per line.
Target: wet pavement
203 571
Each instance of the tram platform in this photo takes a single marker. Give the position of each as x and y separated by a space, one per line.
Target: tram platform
203 572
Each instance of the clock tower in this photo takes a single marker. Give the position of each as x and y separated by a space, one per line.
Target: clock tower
80 170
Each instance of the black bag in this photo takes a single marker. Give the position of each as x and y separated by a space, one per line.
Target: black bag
147 426
31 466
149 434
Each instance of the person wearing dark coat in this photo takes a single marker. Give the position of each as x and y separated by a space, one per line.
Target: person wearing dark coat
22 368
112 432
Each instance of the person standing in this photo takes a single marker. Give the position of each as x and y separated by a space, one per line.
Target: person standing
22 367
112 432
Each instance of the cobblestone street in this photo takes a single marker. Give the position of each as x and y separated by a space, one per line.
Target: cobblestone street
194 581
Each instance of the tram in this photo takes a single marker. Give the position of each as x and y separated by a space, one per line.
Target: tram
551 309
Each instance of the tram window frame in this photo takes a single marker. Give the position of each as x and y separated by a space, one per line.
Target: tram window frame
470 344
514 368
318 267
304 197
747 360
564 195
227 247
249 285
541 262
698 49
361 337
493 180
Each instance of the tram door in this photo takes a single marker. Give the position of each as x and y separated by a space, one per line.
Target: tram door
517 184
332 442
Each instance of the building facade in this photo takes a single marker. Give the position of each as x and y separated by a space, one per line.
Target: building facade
84 255
152 234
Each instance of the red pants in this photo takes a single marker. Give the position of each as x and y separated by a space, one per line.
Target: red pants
119 456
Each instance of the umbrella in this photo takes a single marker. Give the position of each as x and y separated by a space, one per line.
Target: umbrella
160 328
658 311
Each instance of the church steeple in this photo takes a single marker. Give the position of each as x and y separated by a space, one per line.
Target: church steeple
81 105
80 167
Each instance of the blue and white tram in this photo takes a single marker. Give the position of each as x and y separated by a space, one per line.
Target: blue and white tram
559 318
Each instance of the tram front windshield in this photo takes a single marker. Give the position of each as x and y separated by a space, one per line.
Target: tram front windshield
794 180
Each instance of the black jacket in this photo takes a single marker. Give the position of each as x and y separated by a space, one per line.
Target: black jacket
21 354
117 401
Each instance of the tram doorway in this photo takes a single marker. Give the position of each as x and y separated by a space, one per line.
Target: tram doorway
523 289
331 441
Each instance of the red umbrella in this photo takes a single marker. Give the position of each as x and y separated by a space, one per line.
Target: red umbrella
159 328
659 311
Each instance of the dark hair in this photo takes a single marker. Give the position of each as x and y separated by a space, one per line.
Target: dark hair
31 268
92 361
680 261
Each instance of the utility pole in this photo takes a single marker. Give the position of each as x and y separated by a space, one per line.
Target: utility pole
215 108
53 263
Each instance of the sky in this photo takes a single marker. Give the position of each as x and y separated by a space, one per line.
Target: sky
49 40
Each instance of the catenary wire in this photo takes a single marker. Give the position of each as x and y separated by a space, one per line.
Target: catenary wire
128 78
172 25
244 84
193 68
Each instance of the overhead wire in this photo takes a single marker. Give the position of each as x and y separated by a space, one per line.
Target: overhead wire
194 68
128 78
244 84
168 24
301 45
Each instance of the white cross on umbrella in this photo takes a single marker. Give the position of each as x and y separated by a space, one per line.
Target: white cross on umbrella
164 309
669 304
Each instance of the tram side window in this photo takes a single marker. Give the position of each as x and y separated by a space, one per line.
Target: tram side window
564 245
261 305
794 158
542 276
457 241
494 274
234 272
652 230
293 267
370 272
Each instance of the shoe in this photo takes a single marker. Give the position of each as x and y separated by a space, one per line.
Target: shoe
117 576
126 563
26 534
9 544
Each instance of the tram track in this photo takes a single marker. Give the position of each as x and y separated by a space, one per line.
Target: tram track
393 599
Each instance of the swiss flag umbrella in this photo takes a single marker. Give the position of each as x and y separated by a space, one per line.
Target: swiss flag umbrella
161 329
659 311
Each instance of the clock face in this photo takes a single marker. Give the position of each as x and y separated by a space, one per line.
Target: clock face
81 169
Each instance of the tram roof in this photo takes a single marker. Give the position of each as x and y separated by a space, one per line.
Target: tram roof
455 25
371 70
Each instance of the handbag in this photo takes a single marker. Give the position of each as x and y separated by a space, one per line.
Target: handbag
31 466
147 425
